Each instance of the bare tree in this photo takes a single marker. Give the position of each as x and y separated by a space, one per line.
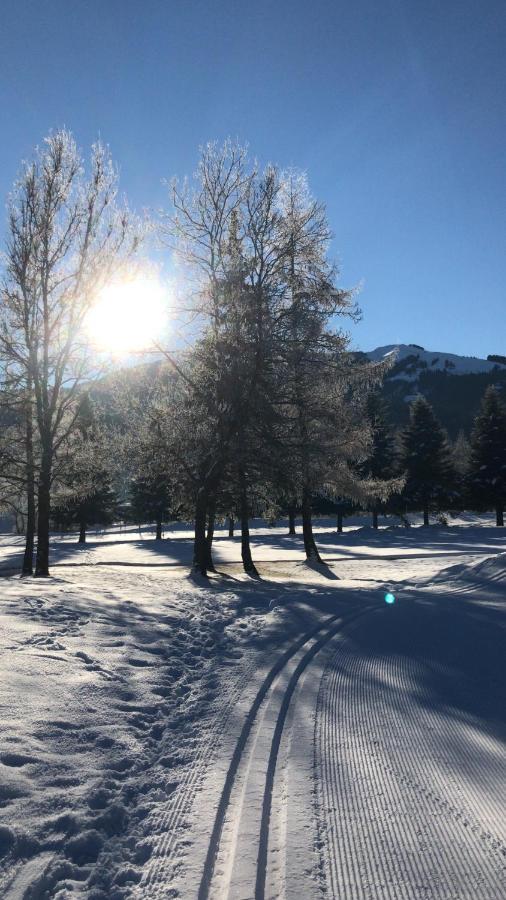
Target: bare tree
67 236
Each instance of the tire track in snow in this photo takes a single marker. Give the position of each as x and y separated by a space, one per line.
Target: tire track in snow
409 785
237 861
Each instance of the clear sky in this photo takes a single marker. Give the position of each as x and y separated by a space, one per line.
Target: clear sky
396 108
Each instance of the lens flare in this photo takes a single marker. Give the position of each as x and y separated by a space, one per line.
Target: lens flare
389 598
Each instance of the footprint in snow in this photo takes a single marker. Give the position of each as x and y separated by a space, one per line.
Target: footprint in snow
85 658
45 642
93 666
105 742
16 760
162 691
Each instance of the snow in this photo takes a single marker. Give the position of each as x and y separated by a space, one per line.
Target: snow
160 737
432 361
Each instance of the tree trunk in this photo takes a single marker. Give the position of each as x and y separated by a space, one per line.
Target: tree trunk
158 536
339 524
499 514
44 504
375 518
82 532
211 517
200 541
291 520
426 514
307 528
30 493
247 559
231 524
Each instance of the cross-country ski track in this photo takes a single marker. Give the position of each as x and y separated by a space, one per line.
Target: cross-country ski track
291 736
369 764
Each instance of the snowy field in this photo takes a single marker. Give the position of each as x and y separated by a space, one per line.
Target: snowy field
287 737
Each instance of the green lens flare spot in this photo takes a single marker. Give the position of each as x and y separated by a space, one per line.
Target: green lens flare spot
389 598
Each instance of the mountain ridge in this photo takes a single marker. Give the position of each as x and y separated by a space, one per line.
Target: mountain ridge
454 384
412 356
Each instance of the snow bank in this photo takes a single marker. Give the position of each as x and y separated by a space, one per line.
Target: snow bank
493 568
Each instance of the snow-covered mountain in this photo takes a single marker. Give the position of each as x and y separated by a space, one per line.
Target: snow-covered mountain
409 360
456 401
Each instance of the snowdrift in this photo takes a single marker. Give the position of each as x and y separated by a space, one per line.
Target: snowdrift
492 569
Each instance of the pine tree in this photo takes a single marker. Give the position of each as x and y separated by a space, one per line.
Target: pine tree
97 508
315 376
461 455
426 458
147 409
83 493
487 469
150 501
380 461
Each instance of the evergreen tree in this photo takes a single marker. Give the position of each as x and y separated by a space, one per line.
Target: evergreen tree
461 455
97 508
83 491
380 462
150 501
317 385
150 422
426 458
487 468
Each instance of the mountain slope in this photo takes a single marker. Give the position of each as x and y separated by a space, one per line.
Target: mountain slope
453 384
410 360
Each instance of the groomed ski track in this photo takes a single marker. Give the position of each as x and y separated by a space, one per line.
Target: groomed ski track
410 756
241 859
367 763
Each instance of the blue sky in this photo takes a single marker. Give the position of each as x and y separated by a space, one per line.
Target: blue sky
397 110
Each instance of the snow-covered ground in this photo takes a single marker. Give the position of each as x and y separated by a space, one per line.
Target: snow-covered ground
292 736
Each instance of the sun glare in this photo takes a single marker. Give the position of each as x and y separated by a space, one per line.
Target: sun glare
128 316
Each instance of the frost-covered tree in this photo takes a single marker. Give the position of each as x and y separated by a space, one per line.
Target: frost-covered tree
13 476
82 475
198 230
19 452
67 235
323 387
426 459
150 501
270 389
224 230
380 462
487 463
145 413
461 454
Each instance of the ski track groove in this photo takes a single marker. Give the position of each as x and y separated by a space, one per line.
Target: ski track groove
362 859
241 759
167 825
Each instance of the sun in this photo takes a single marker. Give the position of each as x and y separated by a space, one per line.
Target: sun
128 316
